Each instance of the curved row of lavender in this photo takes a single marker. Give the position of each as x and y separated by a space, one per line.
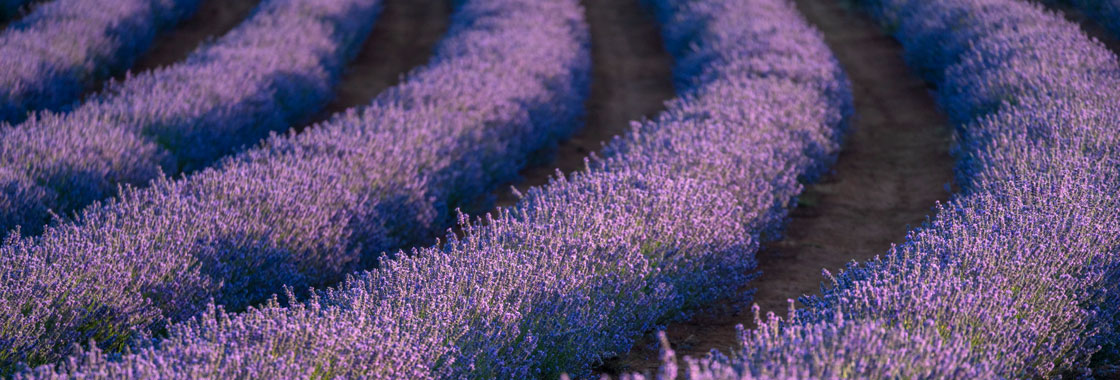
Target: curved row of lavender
580 268
65 47
509 80
1018 276
275 70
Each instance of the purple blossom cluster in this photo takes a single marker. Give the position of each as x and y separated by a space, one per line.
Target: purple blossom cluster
275 70
65 47
1018 276
668 220
304 209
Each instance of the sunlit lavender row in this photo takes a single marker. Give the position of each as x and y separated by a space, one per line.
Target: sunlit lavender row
579 268
1018 276
275 70
306 209
65 47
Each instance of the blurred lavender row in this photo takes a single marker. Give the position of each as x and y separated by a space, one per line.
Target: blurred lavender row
668 221
65 47
508 80
275 70
1018 276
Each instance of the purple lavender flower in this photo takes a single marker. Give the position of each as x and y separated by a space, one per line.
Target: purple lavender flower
63 48
1018 275
306 209
275 70
669 219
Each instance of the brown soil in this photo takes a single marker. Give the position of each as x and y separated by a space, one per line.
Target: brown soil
894 167
213 19
631 79
402 39
24 10
1088 25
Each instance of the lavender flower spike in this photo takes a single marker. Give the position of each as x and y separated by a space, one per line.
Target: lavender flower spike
306 209
669 219
64 47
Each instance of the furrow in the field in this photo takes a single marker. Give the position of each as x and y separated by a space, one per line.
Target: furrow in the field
401 41
12 10
305 209
65 48
894 166
275 70
631 79
212 20
1076 12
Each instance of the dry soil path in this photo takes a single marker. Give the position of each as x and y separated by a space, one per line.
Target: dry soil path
23 10
894 167
402 39
212 20
631 80
1088 25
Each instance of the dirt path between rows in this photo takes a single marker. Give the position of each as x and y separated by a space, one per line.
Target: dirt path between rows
212 20
23 10
631 79
402 39
894 167
1088 25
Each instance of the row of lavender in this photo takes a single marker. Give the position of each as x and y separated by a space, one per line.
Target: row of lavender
306 209
64 47
669 220
274 70
1018 276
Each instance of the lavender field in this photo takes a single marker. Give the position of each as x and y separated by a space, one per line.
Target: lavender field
559 189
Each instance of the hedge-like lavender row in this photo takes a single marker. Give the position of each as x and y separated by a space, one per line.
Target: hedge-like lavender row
274 70
1018 276
581 267
56 53
509 80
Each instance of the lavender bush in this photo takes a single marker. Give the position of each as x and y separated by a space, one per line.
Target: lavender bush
668 220
274 70
63 48
1016 277
508 81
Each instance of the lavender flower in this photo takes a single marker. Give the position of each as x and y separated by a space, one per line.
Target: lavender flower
1016 277
306 209
63 48
669 219
274 70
